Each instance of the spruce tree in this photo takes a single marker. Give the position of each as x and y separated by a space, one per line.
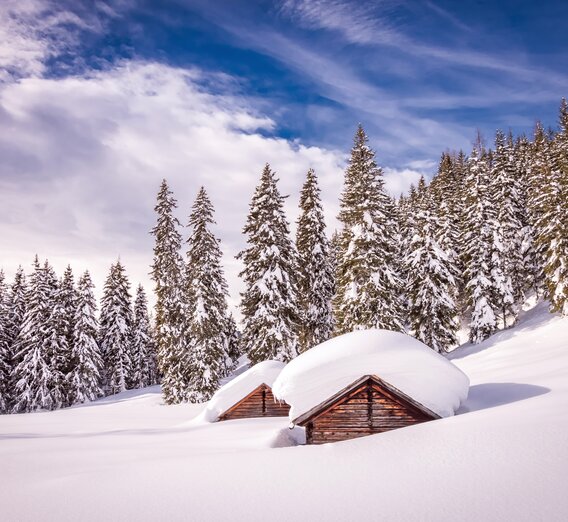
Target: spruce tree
143 347
5 360
368 277
477 241
208 321
57 335
540 190
69 301
315 271
270 302
431 286
86 361
504 191
555 220
528 275
37 376
115 333
167 273
16 309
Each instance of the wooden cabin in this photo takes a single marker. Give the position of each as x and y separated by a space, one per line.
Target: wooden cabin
367 406
258 403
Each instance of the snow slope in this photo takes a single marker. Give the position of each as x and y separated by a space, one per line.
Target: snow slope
130 458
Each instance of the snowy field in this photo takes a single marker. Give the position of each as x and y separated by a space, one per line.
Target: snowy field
127 458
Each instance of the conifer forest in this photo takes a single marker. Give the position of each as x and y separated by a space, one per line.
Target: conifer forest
461 250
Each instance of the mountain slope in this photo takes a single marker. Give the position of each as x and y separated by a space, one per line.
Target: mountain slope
130 458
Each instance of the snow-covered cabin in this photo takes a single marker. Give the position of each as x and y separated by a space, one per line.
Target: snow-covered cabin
366 382
248 395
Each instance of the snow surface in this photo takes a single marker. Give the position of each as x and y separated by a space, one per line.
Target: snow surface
402 361
131 458
229 394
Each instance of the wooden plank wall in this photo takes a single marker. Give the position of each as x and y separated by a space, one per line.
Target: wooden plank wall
259 404
367 410
274 408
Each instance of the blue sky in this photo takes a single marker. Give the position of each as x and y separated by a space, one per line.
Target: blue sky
421 76
101 99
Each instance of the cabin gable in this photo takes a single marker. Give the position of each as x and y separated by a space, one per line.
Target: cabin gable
366 407
258 403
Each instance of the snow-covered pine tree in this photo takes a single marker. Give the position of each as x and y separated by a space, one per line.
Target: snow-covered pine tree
167 273
66 302
143 346
115 332
315 272
57 339
37 378
368 280
529 271
504 191
5 360
86 362
16 306
207 303
431 286
69 297
555 219
477 241
270 301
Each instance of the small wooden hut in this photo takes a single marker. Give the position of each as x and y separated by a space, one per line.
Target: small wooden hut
258 403
248 395
367 406
366 382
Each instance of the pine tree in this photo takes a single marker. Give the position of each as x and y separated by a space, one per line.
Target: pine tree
63 316
431 287
539 197
69 301
207 299
143 347
315 274
368 278
504 190
16 309
115 333
57 339
555 220
37 378
477 240
528 275
167 273
5 359
269 302
86 361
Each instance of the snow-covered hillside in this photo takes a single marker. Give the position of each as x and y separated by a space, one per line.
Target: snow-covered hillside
131 458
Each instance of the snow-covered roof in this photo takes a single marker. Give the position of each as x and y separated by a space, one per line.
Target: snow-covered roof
398 359
228 395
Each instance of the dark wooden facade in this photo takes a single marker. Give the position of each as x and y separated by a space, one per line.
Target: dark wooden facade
258 403
368 406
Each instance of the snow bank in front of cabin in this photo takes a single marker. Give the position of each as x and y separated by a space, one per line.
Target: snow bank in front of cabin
228 395
400 360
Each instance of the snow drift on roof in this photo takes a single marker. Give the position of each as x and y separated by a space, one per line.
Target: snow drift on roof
402 361
237 389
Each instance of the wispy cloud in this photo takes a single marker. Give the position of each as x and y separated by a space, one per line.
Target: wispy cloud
356 21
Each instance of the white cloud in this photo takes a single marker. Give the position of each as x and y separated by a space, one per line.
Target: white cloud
83 158
398 181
